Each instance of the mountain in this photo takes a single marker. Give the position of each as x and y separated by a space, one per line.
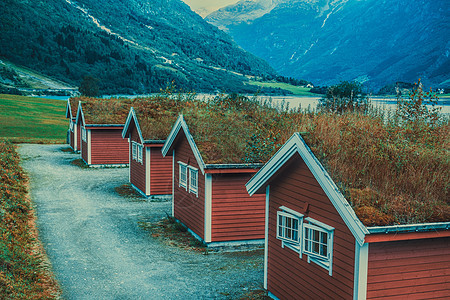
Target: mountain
326 41
243 11
131 46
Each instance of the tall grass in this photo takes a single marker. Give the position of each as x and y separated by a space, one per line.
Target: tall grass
389 173
23 274
392 171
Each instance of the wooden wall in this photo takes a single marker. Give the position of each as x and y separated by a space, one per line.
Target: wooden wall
84 149
108 147
235 215
291 277
160 172
415 269
137 170
188 208
72 140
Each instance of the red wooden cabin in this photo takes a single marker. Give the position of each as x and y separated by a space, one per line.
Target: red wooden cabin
101 139
74 132
150 172
210 199
317 248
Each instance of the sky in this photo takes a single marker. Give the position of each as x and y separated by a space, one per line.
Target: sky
204 7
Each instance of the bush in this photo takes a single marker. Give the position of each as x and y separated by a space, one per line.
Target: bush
343 97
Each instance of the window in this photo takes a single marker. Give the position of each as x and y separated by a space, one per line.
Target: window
83 134
136 151
318 243
289 230
183 174
193 180
71 126
306 236
140 149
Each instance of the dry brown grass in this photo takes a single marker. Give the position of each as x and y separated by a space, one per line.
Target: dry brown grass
390 175
24 269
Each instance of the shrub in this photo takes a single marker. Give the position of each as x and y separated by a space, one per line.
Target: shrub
343 97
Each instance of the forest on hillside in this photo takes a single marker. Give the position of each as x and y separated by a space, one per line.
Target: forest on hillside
147 49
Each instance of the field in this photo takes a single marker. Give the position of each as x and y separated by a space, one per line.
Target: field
296 90
32 120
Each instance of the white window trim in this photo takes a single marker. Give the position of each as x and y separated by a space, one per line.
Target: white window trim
140 150
71 126
181 166
83 134
299 246
192 189
295 245
134 150
137 151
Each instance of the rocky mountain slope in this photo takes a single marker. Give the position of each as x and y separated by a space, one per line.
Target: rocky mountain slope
325 41
131 46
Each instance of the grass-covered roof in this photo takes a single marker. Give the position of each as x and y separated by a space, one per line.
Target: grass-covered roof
101 111
74 106
390 173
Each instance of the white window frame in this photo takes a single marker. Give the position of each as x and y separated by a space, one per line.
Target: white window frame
140 150
325 261
284 229
302 243
193 185
134 150
137 151
71 126
182 167
83 134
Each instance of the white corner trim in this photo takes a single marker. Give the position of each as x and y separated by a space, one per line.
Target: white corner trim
361 268
147 171
129 159
208 207
173 182
75 136
89 151
266 236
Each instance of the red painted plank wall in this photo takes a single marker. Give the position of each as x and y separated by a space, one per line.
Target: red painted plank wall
84 150
72 140
160 172
137 170
78 129
289 276
235 215
188 208
415 269
108 147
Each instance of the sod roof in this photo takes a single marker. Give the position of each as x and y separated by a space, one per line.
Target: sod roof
156 115
73 102
100 111
390 174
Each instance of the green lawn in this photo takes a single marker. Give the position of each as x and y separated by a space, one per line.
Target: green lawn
32 120
296 90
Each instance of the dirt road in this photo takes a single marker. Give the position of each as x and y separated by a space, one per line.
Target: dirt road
97 249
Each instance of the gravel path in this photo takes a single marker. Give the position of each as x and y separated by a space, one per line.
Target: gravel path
97 249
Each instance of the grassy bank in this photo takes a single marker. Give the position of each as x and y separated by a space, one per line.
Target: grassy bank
23 271
296 90
32 120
